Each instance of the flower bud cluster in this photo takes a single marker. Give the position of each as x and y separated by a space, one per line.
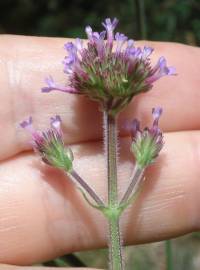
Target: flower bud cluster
147 143
109 69
50 145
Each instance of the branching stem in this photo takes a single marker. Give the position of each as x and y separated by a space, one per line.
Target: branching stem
86 187
135 183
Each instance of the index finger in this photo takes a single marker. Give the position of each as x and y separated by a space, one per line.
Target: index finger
26 61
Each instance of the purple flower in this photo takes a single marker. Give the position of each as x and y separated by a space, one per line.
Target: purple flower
49 144
110 27
89 32
79 44
28 125
147 143
109 73
147 51
121 39
56 123
51 85
161 69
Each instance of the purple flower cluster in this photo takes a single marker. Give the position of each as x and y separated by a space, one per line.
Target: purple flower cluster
50 144
147 143
110 70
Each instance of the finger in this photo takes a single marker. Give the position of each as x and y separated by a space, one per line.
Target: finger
43 216
24 67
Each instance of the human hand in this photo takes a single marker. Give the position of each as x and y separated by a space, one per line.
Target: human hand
42 215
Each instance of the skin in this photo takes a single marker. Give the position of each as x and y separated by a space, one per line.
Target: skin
42 214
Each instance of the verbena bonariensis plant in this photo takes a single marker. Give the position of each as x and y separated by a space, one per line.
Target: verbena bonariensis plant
110 70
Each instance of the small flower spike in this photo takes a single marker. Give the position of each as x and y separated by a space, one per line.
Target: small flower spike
147 143
49 144
109 68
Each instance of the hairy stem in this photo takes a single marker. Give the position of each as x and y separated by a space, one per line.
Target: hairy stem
136 179
111 154
86 187
115 245
115 252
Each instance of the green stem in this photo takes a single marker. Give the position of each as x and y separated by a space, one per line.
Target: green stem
169 255
86 187
141 18
115 253
135 183
111 150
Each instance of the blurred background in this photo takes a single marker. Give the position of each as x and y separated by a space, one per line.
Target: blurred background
164 20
